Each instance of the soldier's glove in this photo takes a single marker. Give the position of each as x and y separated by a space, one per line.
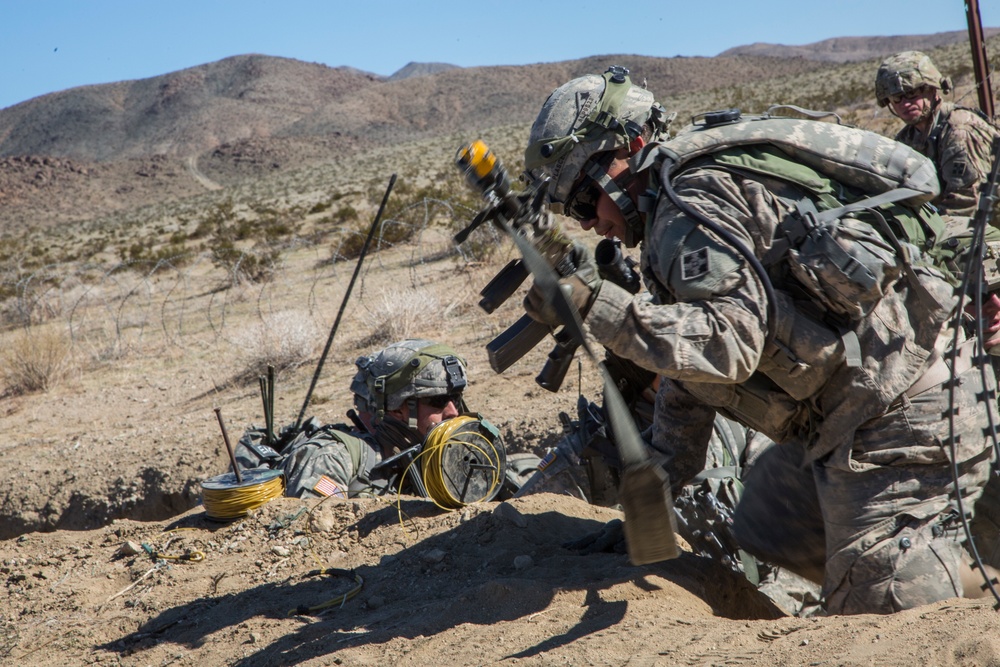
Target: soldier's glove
580 288
544 232
609 539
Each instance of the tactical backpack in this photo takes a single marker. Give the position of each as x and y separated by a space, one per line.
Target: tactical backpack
859 227
850 240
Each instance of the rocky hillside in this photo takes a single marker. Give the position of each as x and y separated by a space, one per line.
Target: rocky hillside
850 49
92 151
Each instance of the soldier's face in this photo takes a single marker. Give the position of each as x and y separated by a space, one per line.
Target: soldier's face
430 413
607 220
915 105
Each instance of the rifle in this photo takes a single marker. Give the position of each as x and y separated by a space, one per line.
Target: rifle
485 173
612 265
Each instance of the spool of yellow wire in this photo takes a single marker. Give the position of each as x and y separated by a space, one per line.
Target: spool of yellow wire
462 462
225 498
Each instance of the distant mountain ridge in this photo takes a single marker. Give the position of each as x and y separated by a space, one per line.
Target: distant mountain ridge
419 69
91 150
851 49
265 98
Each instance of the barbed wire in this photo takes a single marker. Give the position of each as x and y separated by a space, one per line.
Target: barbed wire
114 307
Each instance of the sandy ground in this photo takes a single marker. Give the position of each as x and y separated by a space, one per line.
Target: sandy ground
107 557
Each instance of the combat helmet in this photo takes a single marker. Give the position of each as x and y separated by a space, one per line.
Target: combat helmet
581 121
408 370
907 71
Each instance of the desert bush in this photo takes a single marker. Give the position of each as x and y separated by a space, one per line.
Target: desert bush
34 359
283 340
395 315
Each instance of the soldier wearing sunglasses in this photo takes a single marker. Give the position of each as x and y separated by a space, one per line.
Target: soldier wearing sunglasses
400 393
956 138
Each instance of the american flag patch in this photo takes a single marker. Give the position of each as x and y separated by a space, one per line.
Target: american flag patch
327 487
548 460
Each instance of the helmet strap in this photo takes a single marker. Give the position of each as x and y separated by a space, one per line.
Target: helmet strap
633 222
413 406
393 436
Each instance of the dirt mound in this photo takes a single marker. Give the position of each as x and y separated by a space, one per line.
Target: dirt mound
490 584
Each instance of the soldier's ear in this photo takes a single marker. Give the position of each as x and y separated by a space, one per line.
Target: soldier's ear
636 145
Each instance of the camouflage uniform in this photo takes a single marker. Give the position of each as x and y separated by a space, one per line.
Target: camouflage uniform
958 140
959 143
859 493
341 461
880 471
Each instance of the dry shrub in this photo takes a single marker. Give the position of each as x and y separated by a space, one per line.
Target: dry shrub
34 360
283 340
395 315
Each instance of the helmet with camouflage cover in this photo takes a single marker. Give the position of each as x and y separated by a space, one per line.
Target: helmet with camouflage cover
586 117
408 370
363 400
907 71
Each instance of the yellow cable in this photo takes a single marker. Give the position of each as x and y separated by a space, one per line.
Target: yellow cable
431 455
225 500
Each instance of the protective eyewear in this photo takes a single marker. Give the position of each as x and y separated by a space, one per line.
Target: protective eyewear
909 95
581 204
442 401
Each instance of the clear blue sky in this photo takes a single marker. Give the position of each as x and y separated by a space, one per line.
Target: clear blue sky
51 45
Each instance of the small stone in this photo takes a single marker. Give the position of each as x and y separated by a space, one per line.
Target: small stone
509 513
523 562
130 549
375 601
280 552
434 556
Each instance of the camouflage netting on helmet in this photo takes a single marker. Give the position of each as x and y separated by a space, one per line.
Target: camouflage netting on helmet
413 368
905 72
588 115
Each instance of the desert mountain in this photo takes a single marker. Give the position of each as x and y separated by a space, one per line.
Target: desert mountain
419 69
849 49
93 150
263 97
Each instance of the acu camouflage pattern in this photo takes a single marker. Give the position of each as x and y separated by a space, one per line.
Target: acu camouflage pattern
345 458
959 144
844 423
570 114
904 72
854 157
341 454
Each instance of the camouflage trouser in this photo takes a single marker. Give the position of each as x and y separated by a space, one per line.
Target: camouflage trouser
876 524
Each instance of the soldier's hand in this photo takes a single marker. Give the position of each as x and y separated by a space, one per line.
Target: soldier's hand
580 288
609 539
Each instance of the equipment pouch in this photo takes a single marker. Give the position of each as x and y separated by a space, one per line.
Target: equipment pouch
803 354
757 403
848 266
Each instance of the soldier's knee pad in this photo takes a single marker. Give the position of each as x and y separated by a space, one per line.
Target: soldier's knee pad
914 566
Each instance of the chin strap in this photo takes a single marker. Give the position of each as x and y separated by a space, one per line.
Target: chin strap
394 436
633 222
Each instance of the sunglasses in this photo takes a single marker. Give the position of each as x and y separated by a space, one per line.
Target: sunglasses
442 401
581 204
909 96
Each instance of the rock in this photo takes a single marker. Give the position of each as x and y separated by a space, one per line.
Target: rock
130 549
523 562
509 513
434 556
